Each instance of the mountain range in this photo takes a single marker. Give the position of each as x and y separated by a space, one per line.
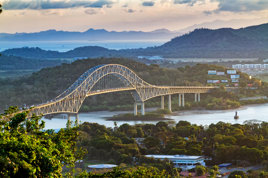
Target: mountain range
249 42
90 35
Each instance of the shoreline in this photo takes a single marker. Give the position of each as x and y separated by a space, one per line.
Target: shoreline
165 117
173 112
194 109
138 119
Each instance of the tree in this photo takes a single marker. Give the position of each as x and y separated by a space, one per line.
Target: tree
152 144
200 170
28 151
135 172
238 174
214 171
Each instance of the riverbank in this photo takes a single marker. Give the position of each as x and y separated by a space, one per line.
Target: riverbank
158 115
250 102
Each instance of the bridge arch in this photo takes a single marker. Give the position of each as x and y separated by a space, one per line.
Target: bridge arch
72 98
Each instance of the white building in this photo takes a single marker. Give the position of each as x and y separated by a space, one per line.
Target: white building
184 162
102 166
252 69
250 66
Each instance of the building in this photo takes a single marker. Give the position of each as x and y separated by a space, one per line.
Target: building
252 68
101 167
184 162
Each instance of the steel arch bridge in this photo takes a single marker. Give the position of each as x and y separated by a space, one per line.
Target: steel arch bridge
96 81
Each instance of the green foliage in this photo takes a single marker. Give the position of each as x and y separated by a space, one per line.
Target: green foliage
28 151
238 174
140 171
200 170
222 142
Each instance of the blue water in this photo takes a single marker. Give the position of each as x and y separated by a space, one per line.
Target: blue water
63 46
199 117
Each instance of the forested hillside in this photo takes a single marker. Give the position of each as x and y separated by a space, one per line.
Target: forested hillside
225 42
19 63
48 83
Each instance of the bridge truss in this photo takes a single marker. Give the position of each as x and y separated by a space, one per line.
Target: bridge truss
106 79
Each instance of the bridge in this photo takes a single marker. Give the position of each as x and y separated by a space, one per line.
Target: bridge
110 78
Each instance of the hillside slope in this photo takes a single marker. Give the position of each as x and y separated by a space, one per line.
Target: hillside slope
225 42
19 63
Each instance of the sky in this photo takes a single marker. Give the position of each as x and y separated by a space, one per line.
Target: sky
126 15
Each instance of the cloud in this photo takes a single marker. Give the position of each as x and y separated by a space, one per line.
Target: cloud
241 5
208 12
49 12
148 3
47 4
101 3
130 10
188 2
91 11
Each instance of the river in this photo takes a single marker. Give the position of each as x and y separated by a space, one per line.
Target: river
199 117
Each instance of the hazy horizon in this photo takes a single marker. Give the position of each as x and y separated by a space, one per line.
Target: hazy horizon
129 15
184 30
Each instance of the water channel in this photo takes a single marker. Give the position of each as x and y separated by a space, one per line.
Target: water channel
199 117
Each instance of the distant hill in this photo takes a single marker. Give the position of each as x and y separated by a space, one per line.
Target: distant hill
250 42
225 42
15 63
89 35
81 52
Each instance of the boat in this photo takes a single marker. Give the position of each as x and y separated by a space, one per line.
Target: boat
236 116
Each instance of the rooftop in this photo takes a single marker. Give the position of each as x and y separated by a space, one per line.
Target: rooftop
225 164
174 157
102 166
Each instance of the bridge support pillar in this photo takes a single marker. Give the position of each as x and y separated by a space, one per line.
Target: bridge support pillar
135 109
180 100
169 103
197 97
76 120
183 102
69 121
162 102
142 109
